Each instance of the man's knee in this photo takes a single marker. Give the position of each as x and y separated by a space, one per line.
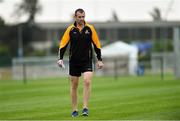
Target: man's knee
87 82
74 84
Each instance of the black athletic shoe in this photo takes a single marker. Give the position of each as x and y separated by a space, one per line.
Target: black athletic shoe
85 112
74 113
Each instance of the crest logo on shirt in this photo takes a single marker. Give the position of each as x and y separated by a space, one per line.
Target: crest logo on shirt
87 32
74 32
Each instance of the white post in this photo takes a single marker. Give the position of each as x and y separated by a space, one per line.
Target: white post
20 41
176 37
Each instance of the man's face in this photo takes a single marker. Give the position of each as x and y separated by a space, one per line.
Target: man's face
79 17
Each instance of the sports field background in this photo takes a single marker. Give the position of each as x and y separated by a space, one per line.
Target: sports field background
127 98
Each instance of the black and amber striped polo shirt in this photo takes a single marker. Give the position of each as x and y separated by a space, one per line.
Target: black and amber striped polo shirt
81 42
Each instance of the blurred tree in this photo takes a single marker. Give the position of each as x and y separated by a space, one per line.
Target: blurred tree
115 16
30 8
2 26
1 19
156 14
2 23
26 30
10 35
5 57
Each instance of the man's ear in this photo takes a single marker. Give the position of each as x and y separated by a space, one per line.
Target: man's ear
74 17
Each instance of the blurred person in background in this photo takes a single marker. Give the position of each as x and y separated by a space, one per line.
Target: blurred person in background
80 35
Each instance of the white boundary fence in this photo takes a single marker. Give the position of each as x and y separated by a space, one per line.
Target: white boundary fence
43 67
46 67
37 67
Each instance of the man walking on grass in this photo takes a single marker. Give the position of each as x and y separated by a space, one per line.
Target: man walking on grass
80 35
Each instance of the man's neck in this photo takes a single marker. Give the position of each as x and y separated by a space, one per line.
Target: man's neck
80 25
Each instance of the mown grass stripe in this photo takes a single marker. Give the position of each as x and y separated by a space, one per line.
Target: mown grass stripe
128 98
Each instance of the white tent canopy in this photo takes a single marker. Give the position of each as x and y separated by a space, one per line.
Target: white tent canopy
118 49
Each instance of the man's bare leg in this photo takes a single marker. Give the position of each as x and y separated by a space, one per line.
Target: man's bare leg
74 89
87 88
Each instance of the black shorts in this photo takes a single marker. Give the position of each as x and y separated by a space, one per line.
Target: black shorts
75 69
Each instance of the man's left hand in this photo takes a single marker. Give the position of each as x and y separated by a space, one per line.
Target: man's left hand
100 64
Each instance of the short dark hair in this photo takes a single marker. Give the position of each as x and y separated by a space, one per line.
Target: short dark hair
79 10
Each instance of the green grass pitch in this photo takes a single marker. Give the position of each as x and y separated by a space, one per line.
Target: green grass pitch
127 98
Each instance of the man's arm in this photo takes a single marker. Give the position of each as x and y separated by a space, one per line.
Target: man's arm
96 43
62 46
64 43
97 47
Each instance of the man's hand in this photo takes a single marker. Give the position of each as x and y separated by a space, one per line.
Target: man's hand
60 63
100 64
